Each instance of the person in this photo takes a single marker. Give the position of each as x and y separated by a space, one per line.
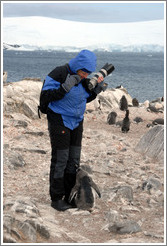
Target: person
66 91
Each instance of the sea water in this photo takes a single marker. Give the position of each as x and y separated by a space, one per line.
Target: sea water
142 74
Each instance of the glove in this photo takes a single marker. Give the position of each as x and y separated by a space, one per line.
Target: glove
70 81
100 87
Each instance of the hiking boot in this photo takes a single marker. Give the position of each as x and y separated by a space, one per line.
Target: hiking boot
60 205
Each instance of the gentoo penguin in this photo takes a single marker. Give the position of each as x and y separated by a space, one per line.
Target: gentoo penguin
119 86
152 108
123 103
111 119
138 119
135 102
126 123
82 192
158 121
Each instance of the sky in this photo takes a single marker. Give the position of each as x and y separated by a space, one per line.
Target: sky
92 12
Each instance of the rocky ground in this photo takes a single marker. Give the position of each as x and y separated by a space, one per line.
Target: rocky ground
131 209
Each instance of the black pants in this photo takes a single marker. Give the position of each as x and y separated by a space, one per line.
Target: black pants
65 156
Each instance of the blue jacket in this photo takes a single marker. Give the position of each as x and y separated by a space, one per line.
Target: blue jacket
71 106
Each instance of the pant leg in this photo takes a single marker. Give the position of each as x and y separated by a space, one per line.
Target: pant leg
73 160
60 142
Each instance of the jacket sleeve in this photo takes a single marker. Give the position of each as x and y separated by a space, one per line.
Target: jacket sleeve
92 94
52 89
48 96
92 97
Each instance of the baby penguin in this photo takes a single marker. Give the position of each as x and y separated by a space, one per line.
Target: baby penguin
82 192
126 123
111 119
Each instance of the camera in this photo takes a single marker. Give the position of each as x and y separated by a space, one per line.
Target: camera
104 71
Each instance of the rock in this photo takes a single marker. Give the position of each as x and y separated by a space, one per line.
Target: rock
109 157
22 97
41 229
40 151
19 116
9 91
13 159
27 230
156 107
151 183
35 133
125 227
8 239
159 105
22 221
112 216
146 104
138 119
97 104
152 143
32 79
20 123
125 193
29 108
111 99
119 123
76 238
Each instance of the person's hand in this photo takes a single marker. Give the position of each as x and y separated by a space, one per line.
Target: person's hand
70 81
100 79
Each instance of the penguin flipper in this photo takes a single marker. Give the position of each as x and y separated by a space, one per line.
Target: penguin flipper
73 193
95 187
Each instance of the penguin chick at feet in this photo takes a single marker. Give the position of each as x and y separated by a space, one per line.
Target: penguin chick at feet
82 192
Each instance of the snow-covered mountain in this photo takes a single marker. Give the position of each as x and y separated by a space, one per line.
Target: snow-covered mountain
42 33
114 48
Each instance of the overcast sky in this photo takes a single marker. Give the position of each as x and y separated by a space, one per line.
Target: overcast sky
97 12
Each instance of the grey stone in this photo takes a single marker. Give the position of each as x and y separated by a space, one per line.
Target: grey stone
35 133
43 230
13 159
152 143
20 123
151 183
125 227
8 239
27 230
40 151
125 192
112 216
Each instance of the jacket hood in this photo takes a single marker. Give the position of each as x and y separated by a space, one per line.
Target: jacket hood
84 60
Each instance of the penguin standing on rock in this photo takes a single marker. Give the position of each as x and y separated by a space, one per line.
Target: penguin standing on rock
123 103
126 123
135 102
